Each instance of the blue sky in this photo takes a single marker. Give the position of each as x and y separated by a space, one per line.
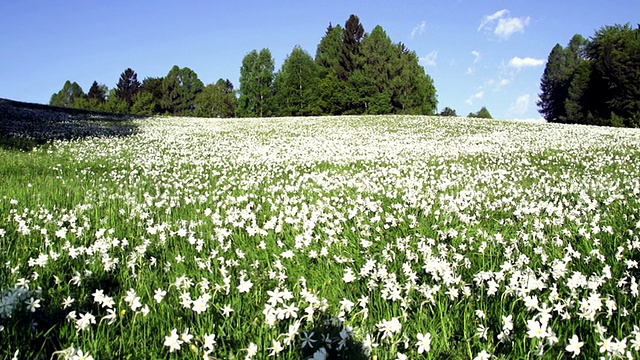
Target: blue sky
479 53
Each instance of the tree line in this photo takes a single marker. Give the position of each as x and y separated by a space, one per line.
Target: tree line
353 72
594 81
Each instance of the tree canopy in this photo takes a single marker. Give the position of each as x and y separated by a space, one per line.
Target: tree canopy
594 81
483 113
353 72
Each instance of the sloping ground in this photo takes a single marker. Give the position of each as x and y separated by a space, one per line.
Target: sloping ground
24 125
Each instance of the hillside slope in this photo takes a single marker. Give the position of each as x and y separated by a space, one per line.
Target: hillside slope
24 125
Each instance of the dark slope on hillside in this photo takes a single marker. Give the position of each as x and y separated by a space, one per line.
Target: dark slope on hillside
25 125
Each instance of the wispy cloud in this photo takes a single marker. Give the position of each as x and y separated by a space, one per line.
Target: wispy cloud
418 30
502 25
429 59
476 56
477 96
488 19
521 105
518 62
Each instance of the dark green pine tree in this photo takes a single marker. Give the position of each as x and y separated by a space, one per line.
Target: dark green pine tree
128 86
554 86
615 54
180 88
413 91
329 48
97 92
349 54
296 85
576 105
331 89
372 78
256 84
559 71
148 101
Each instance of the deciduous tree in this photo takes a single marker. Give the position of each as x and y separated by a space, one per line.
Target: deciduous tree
296 85
217 100
256 84
67 97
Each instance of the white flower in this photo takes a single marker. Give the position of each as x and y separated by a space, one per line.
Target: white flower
320 354
200 305
226 310
424 342
159 294
276 348
307 339
348 276
209 341
185 336
173 341
32 304
80 355
536 330
245 286
389 327
483 355
252 351
84 321
574 346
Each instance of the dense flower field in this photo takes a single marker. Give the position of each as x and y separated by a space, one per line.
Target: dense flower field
340 237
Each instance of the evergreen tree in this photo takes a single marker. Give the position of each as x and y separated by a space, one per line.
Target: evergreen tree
296 85
378 62
554 86
67 97
331 89
97 92
615 54
413 91
447 111
576 104
559 71
350 50
217 100
483 113
128 86
115 104
148 101
256 84
329 48
180 88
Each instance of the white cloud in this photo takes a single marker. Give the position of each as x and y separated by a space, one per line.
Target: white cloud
488 19
503 82
506 26
418 30
521 105
476 55
510 26
519 63
477 96
430 58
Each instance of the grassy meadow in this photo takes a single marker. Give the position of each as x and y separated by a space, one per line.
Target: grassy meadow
383 237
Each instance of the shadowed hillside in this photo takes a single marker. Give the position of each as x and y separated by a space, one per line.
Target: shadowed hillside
25 125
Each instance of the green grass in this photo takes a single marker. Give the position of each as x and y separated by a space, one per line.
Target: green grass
427 208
